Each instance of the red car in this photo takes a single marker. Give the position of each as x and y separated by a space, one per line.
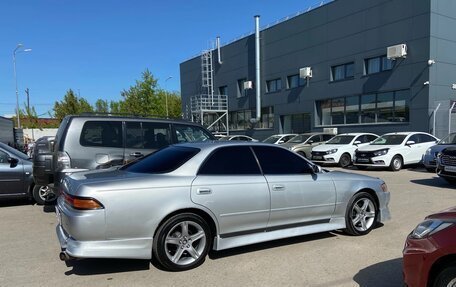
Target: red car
430 251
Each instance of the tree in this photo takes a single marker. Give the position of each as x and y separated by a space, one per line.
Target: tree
101 106
71 105
29 117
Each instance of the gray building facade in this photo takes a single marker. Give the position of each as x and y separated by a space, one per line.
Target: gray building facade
354 86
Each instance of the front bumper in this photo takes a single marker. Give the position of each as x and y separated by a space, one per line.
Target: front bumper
381 161
328 158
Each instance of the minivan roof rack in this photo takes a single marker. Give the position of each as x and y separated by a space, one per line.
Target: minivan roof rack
125 115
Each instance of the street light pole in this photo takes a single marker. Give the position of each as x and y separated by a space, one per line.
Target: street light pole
166 97
15 79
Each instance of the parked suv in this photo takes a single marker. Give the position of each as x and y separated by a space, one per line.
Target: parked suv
430 157
394 150
97 142
446 164
341 148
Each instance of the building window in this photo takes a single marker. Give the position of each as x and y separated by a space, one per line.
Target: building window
294 81
366 109
343 72
377 65
223 90
240 120
240 84
273 85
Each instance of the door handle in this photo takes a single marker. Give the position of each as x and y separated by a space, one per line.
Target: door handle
136 154
278 187
203 191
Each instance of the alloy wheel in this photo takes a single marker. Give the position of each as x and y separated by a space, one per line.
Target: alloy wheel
363 214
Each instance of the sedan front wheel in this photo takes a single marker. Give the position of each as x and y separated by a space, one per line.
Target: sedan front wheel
182 242
361 214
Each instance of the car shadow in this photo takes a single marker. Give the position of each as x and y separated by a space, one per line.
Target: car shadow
15 202
434 182
85 267
49 208
214 255
383 274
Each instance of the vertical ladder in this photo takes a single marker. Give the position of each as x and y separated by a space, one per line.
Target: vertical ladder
207 72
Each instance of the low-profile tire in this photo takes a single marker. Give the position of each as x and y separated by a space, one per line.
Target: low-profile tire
182 242
361 214
361 167
396 163
446 277
42 194
345 160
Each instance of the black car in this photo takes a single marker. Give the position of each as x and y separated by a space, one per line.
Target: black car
15 173
446 164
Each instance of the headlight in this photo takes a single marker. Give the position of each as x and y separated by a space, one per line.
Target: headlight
334 150
381 152
429 227
428 151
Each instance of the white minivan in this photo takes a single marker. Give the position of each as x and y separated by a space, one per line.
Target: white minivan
394 150
341 148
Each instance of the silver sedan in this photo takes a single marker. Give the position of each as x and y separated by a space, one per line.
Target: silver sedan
184 200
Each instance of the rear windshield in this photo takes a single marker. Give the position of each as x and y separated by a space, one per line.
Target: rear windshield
162 161
389 140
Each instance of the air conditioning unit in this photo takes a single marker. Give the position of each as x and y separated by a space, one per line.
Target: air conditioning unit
396 51
330 130
248 85
305 72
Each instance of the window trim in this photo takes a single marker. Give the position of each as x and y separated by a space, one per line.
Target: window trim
276 80
345 78
382 69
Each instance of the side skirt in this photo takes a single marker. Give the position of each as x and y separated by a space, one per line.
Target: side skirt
221 243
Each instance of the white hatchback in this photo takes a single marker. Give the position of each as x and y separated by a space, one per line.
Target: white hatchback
394 150
341 148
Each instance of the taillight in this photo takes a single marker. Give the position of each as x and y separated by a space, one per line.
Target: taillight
63 160
82 203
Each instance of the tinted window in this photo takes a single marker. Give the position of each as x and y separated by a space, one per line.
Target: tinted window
3 157
13 152
275 160
371 138
389 140
414 138
272 139
426 138
287 138
327 137
237 160
156 135
134 135
315 139
341 140
191 134
299 139
102 134
162 161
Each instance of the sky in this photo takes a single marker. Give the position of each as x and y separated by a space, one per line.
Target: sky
98 48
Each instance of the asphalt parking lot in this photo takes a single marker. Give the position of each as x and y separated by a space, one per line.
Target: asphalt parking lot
29 249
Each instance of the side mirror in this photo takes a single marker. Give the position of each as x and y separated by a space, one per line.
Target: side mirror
310 142
13 161
357 143
280 141
409 143
316 169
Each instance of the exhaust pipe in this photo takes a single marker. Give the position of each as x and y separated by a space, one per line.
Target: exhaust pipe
64 256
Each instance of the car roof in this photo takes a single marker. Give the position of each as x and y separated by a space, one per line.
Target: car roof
407 133
209 145
356 134
130 118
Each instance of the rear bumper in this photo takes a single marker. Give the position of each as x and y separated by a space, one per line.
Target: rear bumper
137 248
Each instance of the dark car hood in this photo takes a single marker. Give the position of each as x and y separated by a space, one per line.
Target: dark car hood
447 214
451 151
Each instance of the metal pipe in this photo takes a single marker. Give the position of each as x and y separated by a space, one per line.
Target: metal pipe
219 56
449 117
435 111
257 68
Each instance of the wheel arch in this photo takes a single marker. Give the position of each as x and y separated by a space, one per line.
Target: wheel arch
205 215
439 265
373 194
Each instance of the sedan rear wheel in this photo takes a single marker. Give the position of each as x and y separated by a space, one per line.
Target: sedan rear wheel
182 242
361 214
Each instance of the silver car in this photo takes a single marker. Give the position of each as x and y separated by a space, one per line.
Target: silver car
184 200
